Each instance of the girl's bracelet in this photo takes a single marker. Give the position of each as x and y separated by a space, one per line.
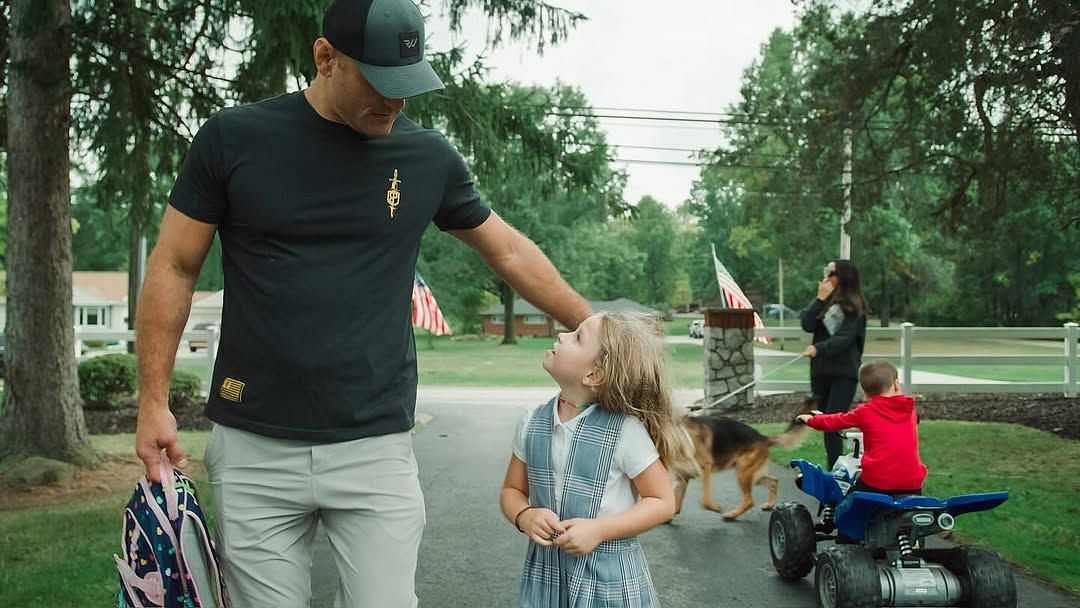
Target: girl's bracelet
518 516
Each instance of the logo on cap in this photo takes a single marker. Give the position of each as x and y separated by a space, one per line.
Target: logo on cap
409 43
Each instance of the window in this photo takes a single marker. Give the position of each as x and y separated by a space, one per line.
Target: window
92 316
497 319
535 320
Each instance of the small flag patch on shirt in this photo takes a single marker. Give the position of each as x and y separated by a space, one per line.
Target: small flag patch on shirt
232 390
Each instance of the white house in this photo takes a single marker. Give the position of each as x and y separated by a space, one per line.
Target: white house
99 301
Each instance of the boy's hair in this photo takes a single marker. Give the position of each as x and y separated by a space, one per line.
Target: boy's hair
877 377
635 383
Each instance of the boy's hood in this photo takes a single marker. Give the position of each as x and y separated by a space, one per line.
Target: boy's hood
895 408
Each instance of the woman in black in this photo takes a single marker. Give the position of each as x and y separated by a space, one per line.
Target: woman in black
837 318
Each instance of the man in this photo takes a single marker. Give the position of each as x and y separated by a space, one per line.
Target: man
320 199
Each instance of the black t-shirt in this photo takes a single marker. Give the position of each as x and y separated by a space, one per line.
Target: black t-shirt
320 230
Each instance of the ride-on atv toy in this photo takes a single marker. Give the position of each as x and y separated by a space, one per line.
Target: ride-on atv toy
879 559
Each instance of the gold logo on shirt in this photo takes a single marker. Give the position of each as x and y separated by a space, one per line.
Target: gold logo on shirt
393 195
232 390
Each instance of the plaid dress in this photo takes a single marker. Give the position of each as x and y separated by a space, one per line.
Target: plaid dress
614 575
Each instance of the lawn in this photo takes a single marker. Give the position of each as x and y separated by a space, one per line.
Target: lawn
1036 528
44 552
483 361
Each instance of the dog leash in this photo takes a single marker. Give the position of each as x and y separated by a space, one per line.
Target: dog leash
755 381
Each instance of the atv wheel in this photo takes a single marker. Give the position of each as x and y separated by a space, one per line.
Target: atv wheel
986 578
847 577
792 541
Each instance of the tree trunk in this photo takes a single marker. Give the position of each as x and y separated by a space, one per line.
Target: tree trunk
42 414
508 313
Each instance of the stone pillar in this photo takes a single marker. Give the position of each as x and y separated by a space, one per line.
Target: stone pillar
729 357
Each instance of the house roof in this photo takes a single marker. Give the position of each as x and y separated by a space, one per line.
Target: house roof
521 307
92 287
110 286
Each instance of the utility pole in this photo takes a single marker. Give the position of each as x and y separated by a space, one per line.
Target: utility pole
780 274
845 238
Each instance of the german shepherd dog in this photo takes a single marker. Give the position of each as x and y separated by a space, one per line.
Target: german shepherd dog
720 442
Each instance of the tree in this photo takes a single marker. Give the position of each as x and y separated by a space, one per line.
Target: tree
542 170
654 236
42 409
144 72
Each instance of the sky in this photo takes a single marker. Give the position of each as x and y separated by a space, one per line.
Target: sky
682 55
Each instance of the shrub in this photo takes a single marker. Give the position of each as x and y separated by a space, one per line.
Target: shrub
106 381
185 390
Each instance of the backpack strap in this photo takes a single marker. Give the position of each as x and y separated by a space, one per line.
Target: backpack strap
150 585
168 486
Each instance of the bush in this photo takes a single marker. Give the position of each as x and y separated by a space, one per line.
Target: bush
105 382
185 390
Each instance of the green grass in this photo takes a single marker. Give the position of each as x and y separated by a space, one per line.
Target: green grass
1036 527
193 442
485 362
60 556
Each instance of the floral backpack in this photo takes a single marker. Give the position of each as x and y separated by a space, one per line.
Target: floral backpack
167 557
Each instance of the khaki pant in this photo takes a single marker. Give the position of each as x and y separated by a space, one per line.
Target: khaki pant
269 495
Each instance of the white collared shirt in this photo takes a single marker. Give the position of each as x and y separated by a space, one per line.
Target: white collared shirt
634 452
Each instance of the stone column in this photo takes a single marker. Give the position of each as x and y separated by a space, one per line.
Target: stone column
729 357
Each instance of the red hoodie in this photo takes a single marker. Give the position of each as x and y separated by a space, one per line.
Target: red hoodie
890 437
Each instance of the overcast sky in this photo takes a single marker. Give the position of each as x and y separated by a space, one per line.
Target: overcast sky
685 55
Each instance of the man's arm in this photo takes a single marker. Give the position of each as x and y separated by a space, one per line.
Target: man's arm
162 312
529 272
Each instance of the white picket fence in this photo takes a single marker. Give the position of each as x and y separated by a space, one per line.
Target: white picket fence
909 334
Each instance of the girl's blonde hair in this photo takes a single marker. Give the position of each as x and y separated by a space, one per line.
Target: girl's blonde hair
635 383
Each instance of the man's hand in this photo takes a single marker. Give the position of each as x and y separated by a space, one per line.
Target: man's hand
803 418
811 351
156 431
581 536
541 526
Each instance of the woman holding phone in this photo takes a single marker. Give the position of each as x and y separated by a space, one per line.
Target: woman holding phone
837 320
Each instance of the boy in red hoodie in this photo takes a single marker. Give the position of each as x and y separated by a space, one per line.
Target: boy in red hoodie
890 462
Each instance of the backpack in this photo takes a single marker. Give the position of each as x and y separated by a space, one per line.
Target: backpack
169 560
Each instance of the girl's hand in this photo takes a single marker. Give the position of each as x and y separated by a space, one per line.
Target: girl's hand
541 526
581 536
811 351
803 418
825 289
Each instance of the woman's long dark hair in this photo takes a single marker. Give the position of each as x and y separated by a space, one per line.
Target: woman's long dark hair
848 293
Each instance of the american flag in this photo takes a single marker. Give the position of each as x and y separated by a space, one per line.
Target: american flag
425 311
734 296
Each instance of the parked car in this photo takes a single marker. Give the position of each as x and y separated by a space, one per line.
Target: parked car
772 311
195 344
697 328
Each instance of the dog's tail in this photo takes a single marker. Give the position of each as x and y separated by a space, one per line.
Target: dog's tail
795 433
685 467
791 438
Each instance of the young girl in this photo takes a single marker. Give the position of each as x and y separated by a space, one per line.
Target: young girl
590 468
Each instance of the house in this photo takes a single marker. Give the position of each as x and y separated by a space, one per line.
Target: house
99 300
531 321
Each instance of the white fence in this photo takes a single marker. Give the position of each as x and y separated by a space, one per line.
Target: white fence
909 334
